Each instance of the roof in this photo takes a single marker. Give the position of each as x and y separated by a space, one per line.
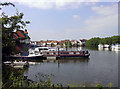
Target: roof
83 40
20 34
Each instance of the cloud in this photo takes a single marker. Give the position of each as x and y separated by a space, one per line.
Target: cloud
58 4
76 16
106 21
103 23
105 10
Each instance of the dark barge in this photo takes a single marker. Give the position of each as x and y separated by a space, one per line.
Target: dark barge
65 54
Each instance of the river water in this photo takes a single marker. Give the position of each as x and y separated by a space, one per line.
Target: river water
100 68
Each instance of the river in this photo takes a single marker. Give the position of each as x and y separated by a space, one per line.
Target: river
100 68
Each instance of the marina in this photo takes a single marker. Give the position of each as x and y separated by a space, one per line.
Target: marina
112 47
81 70
47 52
67 44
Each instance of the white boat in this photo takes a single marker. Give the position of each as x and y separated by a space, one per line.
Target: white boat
19 62
117 47
106 46
7 62
100 46
42 49
32 54
47 49
113 47
33 63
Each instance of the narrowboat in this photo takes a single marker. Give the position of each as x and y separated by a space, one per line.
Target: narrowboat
61 54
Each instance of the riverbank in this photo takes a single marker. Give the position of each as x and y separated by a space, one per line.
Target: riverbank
14 79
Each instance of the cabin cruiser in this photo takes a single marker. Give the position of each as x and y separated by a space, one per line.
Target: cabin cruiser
100 46
106 46
42 49
116 47
32 54
112 47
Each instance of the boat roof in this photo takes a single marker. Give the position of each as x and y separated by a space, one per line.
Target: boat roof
43 47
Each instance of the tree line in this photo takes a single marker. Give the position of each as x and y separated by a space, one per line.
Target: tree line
94 42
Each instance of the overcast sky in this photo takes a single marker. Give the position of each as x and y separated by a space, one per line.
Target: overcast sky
67 19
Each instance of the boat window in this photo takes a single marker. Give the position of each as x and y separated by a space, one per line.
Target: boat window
64 53
71 52
77 53
30 53
45 53
45 49
51 53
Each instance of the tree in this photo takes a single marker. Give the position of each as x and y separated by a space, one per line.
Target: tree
93 42
9 25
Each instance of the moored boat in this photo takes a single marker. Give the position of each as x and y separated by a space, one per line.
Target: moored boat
59 54
106 46
117 47
100 46
44 52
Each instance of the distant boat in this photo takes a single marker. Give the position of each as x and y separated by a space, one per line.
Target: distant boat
106 46
117 47
100 46
17 64
112 47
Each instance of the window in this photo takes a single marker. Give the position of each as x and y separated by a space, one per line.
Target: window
71 52
51 53
77 53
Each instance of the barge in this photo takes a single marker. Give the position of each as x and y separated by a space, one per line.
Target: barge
65 54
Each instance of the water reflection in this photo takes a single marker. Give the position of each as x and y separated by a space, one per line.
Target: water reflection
101 66
67 60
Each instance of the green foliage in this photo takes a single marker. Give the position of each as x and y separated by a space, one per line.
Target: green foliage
99 87
94 42
9 25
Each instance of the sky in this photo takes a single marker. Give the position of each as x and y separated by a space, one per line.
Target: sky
67 19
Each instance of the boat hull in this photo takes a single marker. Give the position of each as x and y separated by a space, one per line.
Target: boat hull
66 54
27 57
